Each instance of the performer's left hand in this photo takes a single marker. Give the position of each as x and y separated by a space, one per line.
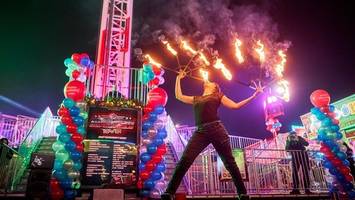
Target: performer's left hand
258 87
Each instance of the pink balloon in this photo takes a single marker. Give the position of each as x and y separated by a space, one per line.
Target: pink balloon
320 98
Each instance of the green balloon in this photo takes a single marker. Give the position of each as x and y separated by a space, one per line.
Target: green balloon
61 155
58 145
76 185
77 165
68 164
68 72
68 102
73 66
84 115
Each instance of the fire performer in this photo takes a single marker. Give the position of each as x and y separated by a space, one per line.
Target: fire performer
210 130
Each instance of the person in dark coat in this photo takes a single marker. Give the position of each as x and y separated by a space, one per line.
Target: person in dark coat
296 145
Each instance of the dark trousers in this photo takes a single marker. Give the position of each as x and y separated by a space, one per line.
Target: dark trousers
300 159
216 134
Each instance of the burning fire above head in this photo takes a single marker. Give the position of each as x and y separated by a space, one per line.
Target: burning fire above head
280 67
260 51
204 73
238 52
187 47
283 90
219 65
169 48
152 61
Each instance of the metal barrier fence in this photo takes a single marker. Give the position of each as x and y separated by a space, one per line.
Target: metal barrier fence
10 162
269 171
15 128
116 81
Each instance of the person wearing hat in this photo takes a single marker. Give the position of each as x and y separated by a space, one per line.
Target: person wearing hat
296 146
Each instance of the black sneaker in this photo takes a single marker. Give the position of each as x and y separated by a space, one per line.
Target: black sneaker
295 192
166 196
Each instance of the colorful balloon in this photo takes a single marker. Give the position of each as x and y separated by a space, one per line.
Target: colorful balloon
157 97
320 98
75 90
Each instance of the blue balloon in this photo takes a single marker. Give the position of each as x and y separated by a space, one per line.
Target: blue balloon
78 120
346 162
348 186
75 155
352 194
149 184
158 141
141 166
331 108
335 149
61 128
162 133
147 125
145 134
151 148
156 176
60 174
81 130
145 157
340 177
70 146
333 170
68 103
74 111
159 110
66 183
321 116
327 164
64 137
152 118
85 62
92 64
160 167
338 135
69 194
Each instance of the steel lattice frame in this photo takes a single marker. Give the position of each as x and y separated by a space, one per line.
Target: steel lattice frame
113 51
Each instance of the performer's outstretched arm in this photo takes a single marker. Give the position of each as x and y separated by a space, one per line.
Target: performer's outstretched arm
229 103
178 93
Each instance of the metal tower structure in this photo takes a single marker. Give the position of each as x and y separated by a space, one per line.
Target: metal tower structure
113 50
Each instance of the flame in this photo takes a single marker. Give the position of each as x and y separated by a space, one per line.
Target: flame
204 73
280 66
285 94
260 51
204 59
238 53
219 65
187 47
152 61
227 74
169 48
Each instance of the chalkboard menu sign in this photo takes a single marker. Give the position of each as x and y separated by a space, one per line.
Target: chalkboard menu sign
110 163
120 124
110 147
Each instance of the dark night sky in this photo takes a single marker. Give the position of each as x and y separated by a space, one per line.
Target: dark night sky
37 35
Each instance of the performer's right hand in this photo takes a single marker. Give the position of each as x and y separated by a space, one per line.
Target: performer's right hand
181 74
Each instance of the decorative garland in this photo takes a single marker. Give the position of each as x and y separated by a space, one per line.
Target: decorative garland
71 131
153 147
114 102
335 159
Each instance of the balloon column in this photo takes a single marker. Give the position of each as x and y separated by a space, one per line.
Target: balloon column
71 131
335 159
152 166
